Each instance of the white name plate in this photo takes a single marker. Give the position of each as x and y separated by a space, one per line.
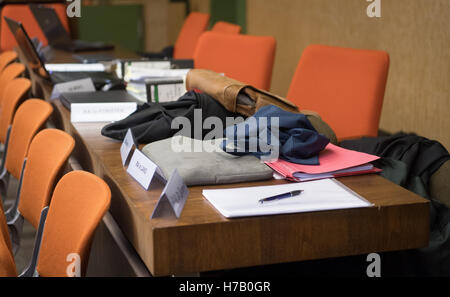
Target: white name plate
100 112
172 199
142 169
80 85
126 147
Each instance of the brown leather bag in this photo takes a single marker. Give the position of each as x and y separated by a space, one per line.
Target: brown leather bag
244 99
235 96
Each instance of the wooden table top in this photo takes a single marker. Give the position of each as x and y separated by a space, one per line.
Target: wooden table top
203 240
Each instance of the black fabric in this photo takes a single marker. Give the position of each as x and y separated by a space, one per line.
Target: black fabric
166 52
152 121
410 160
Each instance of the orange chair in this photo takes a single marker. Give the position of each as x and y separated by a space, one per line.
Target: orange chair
23 14
47 155
243 57
78 203
7 264
4 233
225 27
345 86
30 117
10 72
15 93
195 24
7 58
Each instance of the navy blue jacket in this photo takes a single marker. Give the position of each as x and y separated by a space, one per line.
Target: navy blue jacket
298 141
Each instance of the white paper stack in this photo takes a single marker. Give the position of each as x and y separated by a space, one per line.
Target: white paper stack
318 195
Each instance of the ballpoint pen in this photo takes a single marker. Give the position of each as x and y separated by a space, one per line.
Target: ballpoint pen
281 196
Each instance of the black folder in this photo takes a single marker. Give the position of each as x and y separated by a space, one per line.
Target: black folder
119 96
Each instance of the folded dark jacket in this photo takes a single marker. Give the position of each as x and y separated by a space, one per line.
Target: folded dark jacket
297 140
411 161
152 121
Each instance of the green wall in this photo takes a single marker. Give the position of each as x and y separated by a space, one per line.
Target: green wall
121 25
233 11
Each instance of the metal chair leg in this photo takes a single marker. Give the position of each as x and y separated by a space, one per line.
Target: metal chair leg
15 231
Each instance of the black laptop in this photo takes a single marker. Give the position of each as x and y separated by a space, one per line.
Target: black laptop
57 36
100 79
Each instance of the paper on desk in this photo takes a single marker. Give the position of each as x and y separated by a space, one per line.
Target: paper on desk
139 74
318 195
76 67
332 158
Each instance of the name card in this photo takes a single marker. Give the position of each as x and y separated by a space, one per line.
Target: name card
172 199
142 169
80 85
126 147
101 112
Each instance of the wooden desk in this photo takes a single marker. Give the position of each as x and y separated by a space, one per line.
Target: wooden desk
203 240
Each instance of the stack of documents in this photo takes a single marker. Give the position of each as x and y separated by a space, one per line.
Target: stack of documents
157 85
138 90
319 195
131 69
334 162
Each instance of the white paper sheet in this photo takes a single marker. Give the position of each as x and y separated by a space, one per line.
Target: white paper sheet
75 67
325 194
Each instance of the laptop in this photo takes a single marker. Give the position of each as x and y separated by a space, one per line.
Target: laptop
57 36
100 79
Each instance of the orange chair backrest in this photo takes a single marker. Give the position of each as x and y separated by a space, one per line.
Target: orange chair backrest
246 58
30 117
4 233
7 264
225 27
10 72
195 24
7 58
47 155
79 202
16 91
23 14
345 86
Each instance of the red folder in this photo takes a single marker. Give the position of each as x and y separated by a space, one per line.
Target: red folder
334 162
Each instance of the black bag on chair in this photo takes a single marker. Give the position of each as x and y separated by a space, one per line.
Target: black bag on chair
152 121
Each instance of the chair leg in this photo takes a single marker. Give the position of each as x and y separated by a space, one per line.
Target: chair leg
31 268
15 231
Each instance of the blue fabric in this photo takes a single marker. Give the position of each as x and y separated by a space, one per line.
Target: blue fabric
297 140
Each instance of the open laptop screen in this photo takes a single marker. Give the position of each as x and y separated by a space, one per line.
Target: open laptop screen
51 26
27 48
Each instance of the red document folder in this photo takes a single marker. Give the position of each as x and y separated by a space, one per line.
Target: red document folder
334 162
